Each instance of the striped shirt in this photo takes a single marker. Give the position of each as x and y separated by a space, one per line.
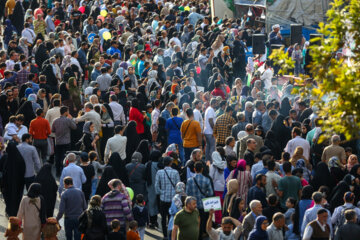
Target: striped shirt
116 206
245 182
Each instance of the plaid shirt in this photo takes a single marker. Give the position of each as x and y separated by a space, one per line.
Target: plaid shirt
22 77
164 186
193 190
222 128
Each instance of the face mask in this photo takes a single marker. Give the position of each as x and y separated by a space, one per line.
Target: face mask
33 61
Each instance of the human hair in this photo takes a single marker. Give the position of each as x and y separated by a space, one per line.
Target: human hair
253 204
229 109
39 111
20 117
189 112
271 165
68 181
228 140
92 155
273 112
335 139
317 197
139 198
258 103
277 216
189 199
113 98
118 129
174 112
249 128
115 183
115 224
259 177
350 214
292 200
226 220
287 167
25 137
133 224
198 167
89 105
240 116
297 131
63 110
285 156
321 211
95 201
272 199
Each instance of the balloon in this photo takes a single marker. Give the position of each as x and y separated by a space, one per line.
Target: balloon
101 18
103 13
198 70
107 35
131 193
187 8
91 37
82 9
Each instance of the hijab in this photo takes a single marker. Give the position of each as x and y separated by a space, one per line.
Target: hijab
143 148
337 195
64 92
257 233
108 175
86 127
232 189
180 191
155 155
322 176
245 91
119 167
285 107
132 137
240 166
218 161
33 193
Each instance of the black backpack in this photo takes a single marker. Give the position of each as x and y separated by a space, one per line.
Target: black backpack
341 220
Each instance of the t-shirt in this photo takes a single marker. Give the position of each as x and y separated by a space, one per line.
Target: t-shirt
218 234
10 4
209 113
190 130
173 127
290 186
75 14
188 224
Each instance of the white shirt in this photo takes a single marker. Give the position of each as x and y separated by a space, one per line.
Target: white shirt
19 131
270 176
198 117
10 64
209 113
311 215
118 112
309 230
76 62
298 142
51 115
266 77
29 34
117 143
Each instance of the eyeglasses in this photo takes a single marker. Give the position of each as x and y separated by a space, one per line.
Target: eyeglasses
10 95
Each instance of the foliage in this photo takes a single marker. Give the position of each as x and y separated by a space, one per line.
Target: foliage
338 93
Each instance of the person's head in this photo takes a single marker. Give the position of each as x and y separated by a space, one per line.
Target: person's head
259 105
115 184
230 141
64 111
190 113
287 167
88 107
169 106
335 140
251 144
190 203
293 114
350 216
256 207
302 105
26 137
260 180
249 128
174 111
133 225
322 215
167 161
196 155
68 182
115 225
296 132
279 220
39 112
139 199
198 167
353 159
119 129
273 114
290 202
317 197
349 197
227 225
95 201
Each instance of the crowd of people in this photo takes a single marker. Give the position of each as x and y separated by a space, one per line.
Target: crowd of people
130 113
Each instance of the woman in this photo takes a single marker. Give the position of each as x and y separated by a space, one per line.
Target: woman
161 140
272 144
94 51
41 55
143 148
218 45
217 175
351 162
257 88
32 213
23 45
124 102
232 189
282 133
107 125
8 32
231 162
88 139
285 107
236 91
337 194
40 26
12 166
322 176
17 18
89 172
133 138
27 110
259 232
151 169
48 188
137 116
118 165
243 176
69 46
304 204
177 204
75 96
298 154
96 227
136 172
273 94
336 169
108 175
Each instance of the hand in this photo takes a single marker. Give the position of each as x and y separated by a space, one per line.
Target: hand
274 183
96 137
211 212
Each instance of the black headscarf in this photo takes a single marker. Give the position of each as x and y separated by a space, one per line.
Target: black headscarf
133 139
108 175
322 176
282 133
41 55
64 92
354 169
12 165
34 192
143 148
337 195
17 18
4 111
28 112
155 155
272 144
48 187
118 165
285 107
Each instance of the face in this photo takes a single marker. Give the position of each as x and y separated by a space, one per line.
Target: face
252 144
353 160
288 204
10 95
131 70
323 217
92 127
227 228
293 115
198 156
280 223
258 209
264 225
263 181
241 206
192 205
15 92
233 163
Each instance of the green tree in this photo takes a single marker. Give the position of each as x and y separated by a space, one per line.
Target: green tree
337 96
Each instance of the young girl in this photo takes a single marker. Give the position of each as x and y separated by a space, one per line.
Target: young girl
290 204
51 229
14 229
95 163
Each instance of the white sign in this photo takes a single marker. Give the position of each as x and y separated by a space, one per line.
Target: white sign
211 203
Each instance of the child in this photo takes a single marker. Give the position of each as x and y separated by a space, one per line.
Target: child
140 213
94 162
14 229
133 234
51 229
290 204
272 208
289 234
115 233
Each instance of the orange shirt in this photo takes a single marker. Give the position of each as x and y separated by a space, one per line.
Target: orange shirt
132 235
10 5
39 128
190 130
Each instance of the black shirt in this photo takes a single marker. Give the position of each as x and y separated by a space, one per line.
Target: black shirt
249 157
116 236
76 14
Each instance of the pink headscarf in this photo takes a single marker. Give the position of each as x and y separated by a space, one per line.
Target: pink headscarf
241 165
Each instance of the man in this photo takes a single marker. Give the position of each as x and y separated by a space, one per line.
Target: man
165 182
53 113
50 26
267 75
197 104
223 125
82 55
289 186
190 134
249 220
350 230
116 205
209 124
31 158
28 33
240 126
334 150
62 127
203 61
297 141
118 111
304 111
90 115
23 75
318 228
271 177
218 90
266 119
275 36
155 114
72 205
249 155
117 143
104 81
243 141
40 130
114 49
257 114
338 217
276 228
72 170
227 225
186 221
257 192
310 214
200 187
96 71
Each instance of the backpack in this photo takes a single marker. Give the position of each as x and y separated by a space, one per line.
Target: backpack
341 220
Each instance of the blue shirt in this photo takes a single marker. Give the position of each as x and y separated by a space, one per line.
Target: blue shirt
173 126
193 190
165 114
72 203
256 193
76 173
94 74
164 186
111 51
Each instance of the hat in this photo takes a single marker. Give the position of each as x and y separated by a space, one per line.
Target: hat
219 98
259 128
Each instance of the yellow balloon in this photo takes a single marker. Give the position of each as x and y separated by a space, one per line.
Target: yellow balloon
107 35
103 13
187 8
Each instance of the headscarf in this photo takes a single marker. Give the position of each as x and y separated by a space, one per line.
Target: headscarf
155 155
245 91
29 13
180 191
226 50
232 189
218 42
257 233
34 190
257 84
136 158
334 162
240 166
337 195
86 128
322 176
171 148
143 148
118 165
33 193
217 161
285 106
286 92
273 93
133 138
28 91
73 90
108 175
64 92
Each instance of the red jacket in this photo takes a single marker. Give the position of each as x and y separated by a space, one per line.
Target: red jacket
137 116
